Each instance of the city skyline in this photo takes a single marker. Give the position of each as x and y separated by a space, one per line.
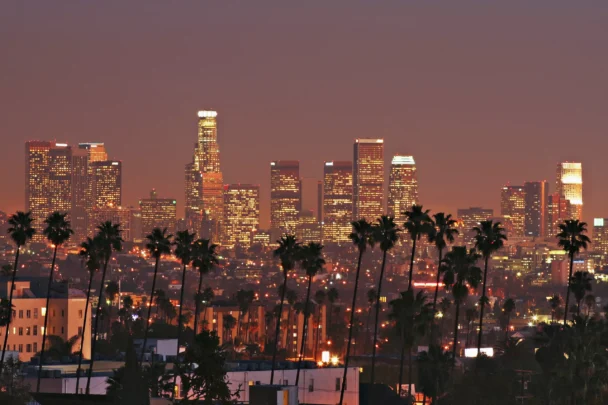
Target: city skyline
515 117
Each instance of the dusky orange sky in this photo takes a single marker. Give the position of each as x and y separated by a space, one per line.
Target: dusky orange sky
481 93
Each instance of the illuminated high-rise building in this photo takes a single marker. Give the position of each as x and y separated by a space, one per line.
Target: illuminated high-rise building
471 217
337 201
570 186
368 179
157 213
242 208
82 186
308 228
537 195
285 195
117 215
600 236
558 210
204 180
47 181
106 183
402 186
513 210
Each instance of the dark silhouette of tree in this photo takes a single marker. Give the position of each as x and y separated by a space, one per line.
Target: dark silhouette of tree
507 308
555 302
572 239
434 368
489 238
386 234
417 224
443 231
580 284
371 300
287 253
320 300
158 243
292 297
20 231
362 237
204 259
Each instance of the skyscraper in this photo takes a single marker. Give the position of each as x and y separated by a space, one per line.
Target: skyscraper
47 181
536 194
600 236
157 213
204 177
285 195
106 183
513 209
402 186
82 187
570 186
308 228
471 217
558 209
115 214
242 207
337 201
368 179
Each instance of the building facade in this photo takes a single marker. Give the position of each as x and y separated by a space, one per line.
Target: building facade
368 179
242 208
471 217
157 213
285 195
337 206
402 187
558 210
106 183
570 186
513 210
537 196
309 228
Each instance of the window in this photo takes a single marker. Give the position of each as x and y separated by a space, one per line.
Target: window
53 330
62 330
35 347
43 311
28 314
35 330
311 385
20 348
80 313
28 348
80 331
20 314
62 313
54 313
35 313
20 331
337 384
14 313
28 331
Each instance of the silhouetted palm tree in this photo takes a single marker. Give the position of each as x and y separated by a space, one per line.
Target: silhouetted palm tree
572 239
417 224
508 307
320 300
158 243
204 259
107 240
57 231
362 236
112 291
489 238
287 252
371 300
459 274
20 231
580 284
206 298
555 303
312 262
470 315
91 255
244 298
386 234
443 232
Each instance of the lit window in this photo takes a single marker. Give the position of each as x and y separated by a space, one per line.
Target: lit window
42 312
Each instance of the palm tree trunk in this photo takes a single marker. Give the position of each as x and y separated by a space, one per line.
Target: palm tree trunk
10 307
143 348
435 296
196 304
409 377
278 329
84 326
369 316
409 285
318 332
97 316
350 329
568 290
377 316
304 330
455 348
482 305
179 328
46 318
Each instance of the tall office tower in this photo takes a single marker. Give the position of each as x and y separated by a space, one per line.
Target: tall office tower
471 217
242 207
402 186
106 183
570 186
117 215
536 194
337 201
308 228
47 181
513 209
558 210
320 200
600 236
285 195
136 226
368 179
157 213
194 204
80 184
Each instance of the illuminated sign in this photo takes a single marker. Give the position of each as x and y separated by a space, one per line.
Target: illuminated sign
207 114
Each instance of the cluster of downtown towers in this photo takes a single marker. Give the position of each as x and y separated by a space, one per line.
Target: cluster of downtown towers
82 181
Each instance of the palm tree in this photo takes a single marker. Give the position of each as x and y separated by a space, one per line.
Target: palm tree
319 299
287 252
244 298
386 234
57 231
489 238
229 322
204 259
20 231
91 255
572 239
444 306
206 298
112 291
183 251
107 240
417 224
470 315
460 274
292 297
434 368
312 262
371 300
332 297
555 302
508 307
443 232
362 236
158 244
580 284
